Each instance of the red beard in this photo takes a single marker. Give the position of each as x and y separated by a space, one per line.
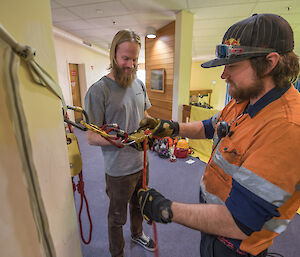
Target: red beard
254 90
123 78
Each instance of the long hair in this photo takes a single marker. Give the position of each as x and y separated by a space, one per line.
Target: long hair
285 72
119 38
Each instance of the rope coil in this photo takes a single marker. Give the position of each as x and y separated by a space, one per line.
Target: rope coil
80 188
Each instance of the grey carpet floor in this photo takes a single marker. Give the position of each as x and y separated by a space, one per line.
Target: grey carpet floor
177 181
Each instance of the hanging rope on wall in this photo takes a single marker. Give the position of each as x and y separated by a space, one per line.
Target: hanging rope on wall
10 53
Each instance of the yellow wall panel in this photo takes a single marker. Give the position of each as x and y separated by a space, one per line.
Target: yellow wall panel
209 79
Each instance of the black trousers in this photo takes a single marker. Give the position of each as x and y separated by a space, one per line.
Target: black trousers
210 246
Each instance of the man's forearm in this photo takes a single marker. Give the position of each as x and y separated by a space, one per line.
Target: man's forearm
208 218
193 130
96 139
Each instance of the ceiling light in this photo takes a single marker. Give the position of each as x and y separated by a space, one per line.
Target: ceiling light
151 32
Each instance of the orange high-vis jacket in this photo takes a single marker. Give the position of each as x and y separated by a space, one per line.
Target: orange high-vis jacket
254 170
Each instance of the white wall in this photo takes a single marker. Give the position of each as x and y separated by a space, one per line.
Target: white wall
68 51
93 63
141 74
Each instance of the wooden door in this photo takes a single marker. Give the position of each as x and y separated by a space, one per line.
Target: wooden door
74 78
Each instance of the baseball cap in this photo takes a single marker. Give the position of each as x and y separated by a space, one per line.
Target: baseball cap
269 31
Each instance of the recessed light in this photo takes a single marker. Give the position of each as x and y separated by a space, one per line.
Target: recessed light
151 32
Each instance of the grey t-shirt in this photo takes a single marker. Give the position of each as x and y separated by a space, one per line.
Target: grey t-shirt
106 103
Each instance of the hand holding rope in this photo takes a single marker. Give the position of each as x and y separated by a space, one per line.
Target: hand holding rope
134 139
103 131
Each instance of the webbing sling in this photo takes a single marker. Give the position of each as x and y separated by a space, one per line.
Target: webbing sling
39 75
9 51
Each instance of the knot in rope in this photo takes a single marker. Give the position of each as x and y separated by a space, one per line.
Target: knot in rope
26 52
80 187
73 185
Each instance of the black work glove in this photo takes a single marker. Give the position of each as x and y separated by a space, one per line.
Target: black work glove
154 206
160 128
137 138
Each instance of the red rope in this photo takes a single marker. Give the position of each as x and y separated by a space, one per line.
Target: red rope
80 188
113 143
155 238
111 138
74 186
145 165
69 125
144 186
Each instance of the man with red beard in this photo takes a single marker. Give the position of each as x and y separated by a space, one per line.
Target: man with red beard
250 189
121 98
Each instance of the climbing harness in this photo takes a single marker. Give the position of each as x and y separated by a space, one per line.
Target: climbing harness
165 148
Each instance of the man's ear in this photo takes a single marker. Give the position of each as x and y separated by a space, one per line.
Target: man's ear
272 59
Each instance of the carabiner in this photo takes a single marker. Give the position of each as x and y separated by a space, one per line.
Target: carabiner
77 125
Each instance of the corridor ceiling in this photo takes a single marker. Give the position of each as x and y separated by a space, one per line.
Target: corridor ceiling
96 21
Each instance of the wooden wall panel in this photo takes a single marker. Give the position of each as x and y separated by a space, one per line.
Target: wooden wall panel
159 54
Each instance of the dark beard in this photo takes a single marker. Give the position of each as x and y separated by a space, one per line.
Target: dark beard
242 94
122 78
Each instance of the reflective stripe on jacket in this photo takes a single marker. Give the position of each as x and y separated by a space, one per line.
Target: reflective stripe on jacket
254 170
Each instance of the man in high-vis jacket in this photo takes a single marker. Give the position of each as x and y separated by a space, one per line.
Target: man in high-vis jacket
250 190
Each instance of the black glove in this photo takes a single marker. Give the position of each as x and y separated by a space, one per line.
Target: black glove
160 128
137 138
154 206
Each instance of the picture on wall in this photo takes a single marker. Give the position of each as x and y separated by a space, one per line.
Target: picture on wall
157 80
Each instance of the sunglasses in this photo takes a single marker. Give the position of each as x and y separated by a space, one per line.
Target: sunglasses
225 51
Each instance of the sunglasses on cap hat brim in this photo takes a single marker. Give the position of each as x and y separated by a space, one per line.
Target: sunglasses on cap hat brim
228 54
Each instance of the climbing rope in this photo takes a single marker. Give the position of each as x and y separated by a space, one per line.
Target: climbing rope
147 132
80 188
42 78
76 169
10 62
104 132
